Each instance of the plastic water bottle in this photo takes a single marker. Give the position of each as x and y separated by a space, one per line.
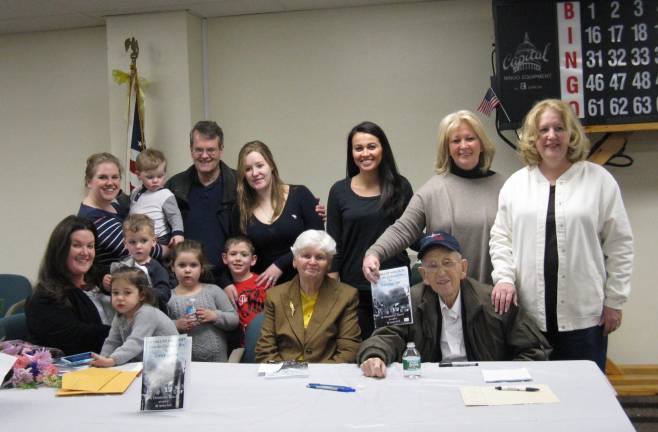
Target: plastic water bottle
411 362
190 309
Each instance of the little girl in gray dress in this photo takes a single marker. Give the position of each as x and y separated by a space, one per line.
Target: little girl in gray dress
136 318
201 310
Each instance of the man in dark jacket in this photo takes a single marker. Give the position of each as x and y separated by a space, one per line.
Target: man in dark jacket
453 318
206 193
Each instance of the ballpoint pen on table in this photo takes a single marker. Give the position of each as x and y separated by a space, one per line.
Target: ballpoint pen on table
512 388
331 387
458 364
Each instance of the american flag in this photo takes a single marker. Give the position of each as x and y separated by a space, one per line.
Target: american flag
135 130
489 102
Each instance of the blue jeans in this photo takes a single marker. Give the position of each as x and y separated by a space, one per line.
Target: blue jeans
584 344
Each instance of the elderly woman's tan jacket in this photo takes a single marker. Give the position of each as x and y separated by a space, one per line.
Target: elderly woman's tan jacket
333 334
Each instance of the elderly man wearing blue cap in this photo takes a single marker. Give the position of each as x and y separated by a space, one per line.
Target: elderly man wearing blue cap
453 318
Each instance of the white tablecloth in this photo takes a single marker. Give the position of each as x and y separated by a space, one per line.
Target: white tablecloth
231 397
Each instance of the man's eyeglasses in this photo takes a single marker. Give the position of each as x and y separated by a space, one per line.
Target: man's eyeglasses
200 151
445 264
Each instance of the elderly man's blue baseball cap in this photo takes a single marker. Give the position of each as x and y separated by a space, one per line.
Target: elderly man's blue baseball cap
438 238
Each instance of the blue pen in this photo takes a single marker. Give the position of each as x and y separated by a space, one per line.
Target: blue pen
331 387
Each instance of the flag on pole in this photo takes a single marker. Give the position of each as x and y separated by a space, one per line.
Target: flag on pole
135 129
489 102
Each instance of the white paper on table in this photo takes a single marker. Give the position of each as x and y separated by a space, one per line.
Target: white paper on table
506 375
6 363
130 367
268 368
489 396
285 369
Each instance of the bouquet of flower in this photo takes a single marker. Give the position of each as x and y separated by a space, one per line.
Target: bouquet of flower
34 365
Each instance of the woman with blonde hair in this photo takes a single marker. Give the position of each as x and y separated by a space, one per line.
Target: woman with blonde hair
271 213
461 199
561 241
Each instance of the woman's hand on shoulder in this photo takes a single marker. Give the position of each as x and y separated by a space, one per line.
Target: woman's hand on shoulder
502 296
269 277
321 210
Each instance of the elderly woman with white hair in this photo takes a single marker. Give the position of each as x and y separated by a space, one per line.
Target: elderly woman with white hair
313 317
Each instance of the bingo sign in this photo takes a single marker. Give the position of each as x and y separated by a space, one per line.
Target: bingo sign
599 56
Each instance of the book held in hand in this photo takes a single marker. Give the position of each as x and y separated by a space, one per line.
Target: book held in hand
166 372
391 298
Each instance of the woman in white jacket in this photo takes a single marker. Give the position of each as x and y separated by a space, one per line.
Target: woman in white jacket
561 240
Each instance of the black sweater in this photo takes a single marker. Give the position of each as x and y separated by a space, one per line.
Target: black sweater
74 328
355 222
273 241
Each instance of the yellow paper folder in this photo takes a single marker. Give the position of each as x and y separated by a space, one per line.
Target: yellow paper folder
96 381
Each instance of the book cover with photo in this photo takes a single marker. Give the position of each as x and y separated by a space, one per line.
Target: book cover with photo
391 298
166 372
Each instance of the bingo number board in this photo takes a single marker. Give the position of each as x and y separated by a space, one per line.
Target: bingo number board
601 56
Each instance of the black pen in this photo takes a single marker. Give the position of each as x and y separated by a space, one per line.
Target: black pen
458 364
512 388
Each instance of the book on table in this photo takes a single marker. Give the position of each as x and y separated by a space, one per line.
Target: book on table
166 372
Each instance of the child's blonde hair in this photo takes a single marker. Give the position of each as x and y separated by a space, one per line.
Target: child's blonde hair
134 223
150 159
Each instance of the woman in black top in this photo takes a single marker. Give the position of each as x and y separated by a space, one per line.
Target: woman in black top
361 207
271 213
60 314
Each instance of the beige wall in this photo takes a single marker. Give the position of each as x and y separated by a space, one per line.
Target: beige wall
637 339
299 81
53 114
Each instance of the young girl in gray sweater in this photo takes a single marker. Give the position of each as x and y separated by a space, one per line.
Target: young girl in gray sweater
136 318
203 311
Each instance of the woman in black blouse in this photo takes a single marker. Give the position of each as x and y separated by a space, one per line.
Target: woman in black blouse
361 207
60 314
271 213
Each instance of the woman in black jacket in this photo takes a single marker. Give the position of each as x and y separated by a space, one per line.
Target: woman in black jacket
60 314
